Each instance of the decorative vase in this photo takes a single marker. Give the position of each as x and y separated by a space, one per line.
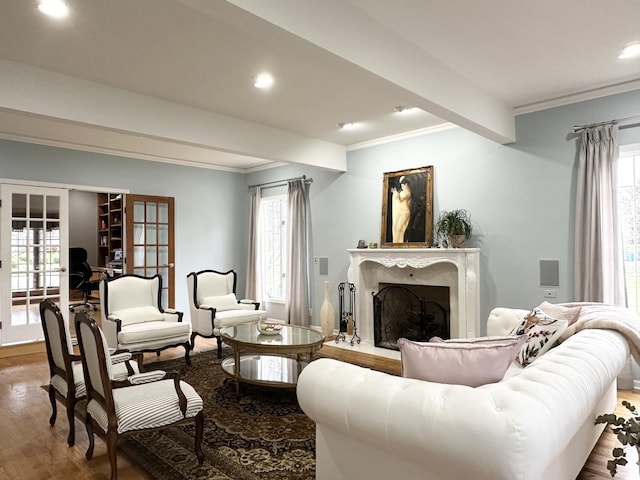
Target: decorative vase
327 316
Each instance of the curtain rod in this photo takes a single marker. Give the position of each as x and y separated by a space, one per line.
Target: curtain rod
577 128
279 183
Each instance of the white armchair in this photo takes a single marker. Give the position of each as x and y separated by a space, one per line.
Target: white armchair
134 320
213 304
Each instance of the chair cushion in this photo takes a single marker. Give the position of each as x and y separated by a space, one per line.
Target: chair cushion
60 384
138 315
119 372
150 405
236 317
152 331
221 302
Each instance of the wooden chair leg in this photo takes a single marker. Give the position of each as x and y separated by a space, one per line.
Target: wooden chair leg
71 407
112 445
54 408
193 340
187 349
219 347
199 432
89 425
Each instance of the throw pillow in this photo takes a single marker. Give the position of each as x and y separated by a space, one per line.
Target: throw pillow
570 314
221 302
541 332
472 363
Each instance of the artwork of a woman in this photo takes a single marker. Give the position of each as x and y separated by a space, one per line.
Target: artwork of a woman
407 214
400 209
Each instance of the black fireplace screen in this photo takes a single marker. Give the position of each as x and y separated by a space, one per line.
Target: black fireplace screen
402 311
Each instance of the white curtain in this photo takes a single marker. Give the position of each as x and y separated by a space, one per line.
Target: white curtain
253 290
297 274
599 267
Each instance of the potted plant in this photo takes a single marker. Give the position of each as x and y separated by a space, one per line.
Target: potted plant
454 227
628 432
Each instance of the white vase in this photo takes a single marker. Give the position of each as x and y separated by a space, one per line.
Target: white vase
327 316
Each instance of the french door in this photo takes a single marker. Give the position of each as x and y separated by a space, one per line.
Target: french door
34 228
150 241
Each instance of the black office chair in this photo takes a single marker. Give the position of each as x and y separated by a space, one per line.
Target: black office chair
80 274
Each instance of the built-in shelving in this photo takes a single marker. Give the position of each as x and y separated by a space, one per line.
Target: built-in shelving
110 227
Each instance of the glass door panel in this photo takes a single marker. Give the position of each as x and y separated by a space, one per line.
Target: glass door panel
33 236
151 241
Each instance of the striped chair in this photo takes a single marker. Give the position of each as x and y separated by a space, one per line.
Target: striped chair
144 401
67 380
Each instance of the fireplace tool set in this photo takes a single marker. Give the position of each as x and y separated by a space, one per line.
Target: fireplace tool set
348 325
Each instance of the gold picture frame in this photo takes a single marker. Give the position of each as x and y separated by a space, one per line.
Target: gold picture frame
407 208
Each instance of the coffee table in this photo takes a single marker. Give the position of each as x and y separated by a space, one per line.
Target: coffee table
273 360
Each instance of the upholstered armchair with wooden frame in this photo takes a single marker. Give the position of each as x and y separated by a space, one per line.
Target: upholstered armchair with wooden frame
213 304
133 318
145 401
65 367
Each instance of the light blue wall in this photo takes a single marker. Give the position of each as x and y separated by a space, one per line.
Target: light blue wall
211 207
521 197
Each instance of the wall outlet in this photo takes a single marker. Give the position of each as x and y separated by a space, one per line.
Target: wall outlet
550 293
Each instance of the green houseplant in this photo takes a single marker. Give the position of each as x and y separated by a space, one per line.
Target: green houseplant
454 227
627 430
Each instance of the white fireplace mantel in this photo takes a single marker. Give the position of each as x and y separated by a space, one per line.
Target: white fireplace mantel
456 268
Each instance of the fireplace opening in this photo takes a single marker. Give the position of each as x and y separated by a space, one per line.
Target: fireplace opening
414 312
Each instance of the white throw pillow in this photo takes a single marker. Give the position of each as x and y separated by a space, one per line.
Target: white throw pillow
138 315
222 302
542 333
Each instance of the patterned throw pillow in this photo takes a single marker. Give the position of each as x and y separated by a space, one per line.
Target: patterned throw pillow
542 332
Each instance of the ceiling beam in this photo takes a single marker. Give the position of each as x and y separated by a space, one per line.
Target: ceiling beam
129 121
343 29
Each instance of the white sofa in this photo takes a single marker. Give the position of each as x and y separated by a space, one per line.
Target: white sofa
536 424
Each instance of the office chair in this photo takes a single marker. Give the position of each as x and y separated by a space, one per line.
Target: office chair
80 274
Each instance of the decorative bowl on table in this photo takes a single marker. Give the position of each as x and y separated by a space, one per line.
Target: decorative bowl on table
269 328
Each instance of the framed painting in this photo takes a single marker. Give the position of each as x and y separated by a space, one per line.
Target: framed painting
407 208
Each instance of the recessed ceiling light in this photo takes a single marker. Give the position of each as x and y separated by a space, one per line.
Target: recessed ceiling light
348 125
263 80
630 51
401 110
54 8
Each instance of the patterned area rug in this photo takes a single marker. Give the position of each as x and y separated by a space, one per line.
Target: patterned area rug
261 435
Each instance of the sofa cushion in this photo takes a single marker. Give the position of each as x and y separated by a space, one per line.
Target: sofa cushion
221 302
473 362
541 332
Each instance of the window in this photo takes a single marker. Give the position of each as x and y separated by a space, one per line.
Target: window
628 197
272 240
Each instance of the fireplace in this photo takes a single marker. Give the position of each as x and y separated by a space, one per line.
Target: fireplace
457 269
414 312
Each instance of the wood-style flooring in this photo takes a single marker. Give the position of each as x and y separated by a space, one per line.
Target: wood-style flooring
32 450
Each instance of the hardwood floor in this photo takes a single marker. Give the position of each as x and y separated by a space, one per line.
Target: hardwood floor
32 450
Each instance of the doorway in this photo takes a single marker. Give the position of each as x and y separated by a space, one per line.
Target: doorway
34 238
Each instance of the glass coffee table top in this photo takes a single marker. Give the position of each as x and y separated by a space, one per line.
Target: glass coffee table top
273 359
288 336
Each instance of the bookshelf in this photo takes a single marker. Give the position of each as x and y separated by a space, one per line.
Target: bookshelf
110 226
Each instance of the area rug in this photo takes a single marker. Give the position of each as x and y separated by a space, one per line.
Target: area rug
263 434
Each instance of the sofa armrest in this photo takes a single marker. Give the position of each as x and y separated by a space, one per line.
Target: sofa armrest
502 320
